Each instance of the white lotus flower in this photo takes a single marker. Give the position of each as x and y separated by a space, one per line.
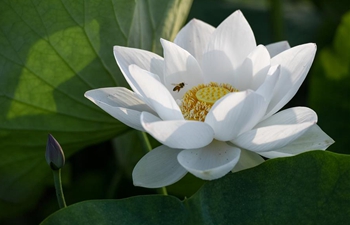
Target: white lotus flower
213 102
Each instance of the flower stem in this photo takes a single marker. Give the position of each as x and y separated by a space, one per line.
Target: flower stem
148 146
163 191
146 142
58 186
276 20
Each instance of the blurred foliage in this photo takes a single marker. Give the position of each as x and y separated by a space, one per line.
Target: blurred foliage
51 53
267 194
330 87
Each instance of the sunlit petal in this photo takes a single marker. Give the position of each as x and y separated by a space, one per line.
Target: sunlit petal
266 89
229 45
295 64
194 37
295 115
156 94
235 113
118 97
180 67
252 72
178 133
127 116
146 60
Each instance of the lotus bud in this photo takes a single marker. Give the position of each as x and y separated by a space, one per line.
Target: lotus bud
54 154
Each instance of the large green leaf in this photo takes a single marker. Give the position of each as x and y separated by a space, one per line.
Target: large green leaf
312 188
330 88
53 51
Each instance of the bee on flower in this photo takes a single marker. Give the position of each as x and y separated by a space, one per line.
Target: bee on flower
178 86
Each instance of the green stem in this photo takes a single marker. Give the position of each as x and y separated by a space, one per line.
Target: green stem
146 142
58 186
276 20
148 146
163 191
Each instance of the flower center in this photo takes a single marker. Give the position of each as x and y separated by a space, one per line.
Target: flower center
197 102
211 94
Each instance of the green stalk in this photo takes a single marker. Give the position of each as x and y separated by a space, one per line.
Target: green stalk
277 20
148 146
58 186
146 142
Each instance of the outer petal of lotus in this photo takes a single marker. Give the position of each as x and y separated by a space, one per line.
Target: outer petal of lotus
235 113
248 160
277 47
180 134
194 37
158 168
295 64
313 139
118 97
210 162
155 94
180 67
229 45
252 72
127 116
277 131
144 59
121 103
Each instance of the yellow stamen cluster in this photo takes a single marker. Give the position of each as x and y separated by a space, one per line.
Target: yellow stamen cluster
197 102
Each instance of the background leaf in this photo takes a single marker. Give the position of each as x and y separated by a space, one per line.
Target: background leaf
311 188
51 53
330 87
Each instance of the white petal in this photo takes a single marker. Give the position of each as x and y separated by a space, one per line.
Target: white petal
235 113
178 133
229 45
158 168
252 72
155 94
313 139
277 47
247 160
266 89
210 162
127 111
194 37
144 59
217 67
295 64
278 130
295 115
127 116
118 97
180 67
